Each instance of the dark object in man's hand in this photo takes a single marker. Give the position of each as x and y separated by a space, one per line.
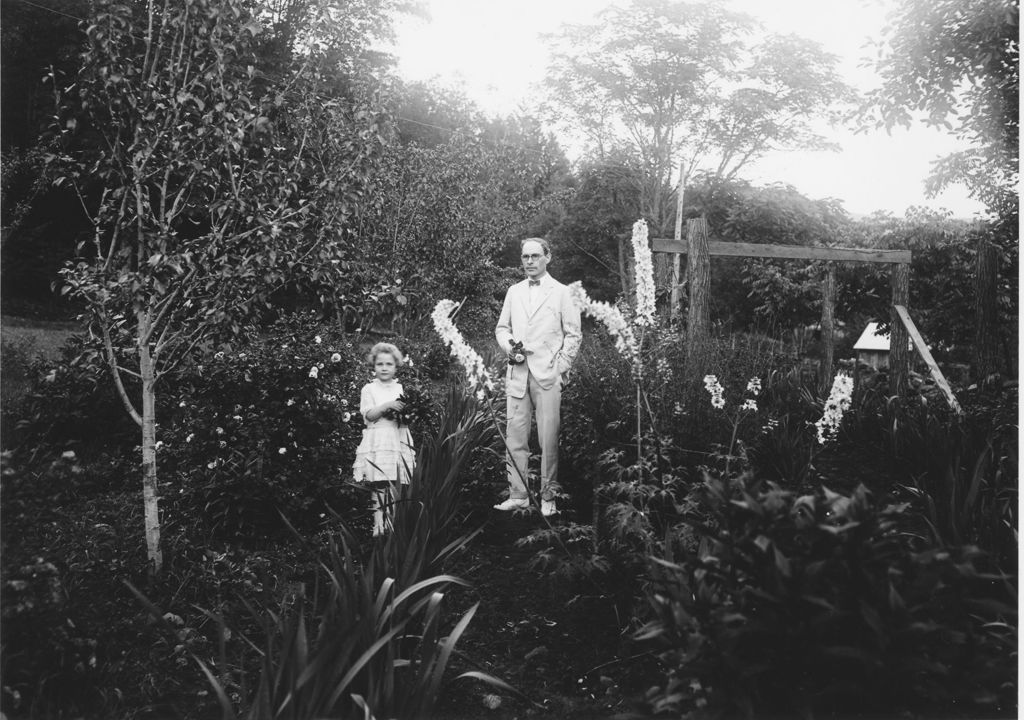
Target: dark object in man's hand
516 353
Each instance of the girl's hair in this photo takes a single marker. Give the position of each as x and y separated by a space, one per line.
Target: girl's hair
383 347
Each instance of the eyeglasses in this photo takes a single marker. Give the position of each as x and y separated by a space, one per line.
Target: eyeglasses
535 256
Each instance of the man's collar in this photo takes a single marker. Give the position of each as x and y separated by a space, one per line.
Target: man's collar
540 280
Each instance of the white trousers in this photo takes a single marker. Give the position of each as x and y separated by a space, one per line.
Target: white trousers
547 404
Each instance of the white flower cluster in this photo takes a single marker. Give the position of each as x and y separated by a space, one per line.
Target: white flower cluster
610 316
717 392
644 271
838 402
712 385
477 374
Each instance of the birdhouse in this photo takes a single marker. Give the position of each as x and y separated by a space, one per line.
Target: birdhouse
872 347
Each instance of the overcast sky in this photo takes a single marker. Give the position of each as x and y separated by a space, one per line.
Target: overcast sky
493 50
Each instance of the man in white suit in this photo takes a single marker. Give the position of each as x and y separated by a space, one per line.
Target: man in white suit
538 314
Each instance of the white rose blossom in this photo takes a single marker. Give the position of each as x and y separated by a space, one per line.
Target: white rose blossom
644 271
610 317
314 372
477 374
336 358
317 339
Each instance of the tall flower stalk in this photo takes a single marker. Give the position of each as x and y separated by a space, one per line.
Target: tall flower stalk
478 375
629 335
839 400
612 318
749 404
644 272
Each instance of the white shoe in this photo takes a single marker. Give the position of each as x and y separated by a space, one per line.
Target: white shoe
378 523
548 508
512 504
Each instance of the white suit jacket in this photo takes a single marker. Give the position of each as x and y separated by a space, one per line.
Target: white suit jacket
550 333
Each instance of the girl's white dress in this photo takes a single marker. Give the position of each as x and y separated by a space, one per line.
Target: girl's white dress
386 453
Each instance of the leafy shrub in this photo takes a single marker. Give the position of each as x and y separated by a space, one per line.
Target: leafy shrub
596 408
370 640
72 405
824 604
266 428
784 448
962 469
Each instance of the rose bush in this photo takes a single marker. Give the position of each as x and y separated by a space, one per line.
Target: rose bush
264 429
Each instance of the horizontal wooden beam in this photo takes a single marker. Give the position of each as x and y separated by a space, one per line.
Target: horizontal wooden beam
790 252
926 355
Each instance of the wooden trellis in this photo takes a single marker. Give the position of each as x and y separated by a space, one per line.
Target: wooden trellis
699 251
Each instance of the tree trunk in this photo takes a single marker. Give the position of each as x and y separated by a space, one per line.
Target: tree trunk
986 337
899 356
828 341
624 273
698 277
149 483
675 297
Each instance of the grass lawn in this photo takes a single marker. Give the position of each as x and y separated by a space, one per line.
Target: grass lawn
22 342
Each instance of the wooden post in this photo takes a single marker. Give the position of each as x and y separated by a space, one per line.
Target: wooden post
985 356
899 357
828 342
675 309
698 277
926 355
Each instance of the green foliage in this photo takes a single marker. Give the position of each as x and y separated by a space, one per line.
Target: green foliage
41 226
957 62
784 448
23 60
71 405
824 604
373 641
210 187
214 188
679 83
589 238
963 470
249 435
458 201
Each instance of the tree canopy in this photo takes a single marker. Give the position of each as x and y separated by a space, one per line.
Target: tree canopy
955 64
684 85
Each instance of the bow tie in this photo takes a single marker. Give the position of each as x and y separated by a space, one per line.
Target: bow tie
534 282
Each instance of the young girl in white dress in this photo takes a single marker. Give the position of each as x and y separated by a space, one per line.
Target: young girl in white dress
386 455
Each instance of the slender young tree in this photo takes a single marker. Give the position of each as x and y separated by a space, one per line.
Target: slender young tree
209 184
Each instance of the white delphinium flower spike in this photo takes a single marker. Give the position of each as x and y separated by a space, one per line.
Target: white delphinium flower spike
644 271
610 317
477 374
839 400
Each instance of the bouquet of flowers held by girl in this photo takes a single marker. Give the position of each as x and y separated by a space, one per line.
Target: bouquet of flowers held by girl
419 412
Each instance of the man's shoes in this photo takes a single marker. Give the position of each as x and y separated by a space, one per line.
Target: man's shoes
548 508
512 504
